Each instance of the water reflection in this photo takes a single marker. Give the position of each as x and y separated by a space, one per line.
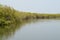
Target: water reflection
7 32
41 30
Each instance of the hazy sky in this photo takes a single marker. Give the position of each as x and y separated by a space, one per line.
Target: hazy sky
44 6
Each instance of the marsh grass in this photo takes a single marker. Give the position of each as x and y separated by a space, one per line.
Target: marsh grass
10 16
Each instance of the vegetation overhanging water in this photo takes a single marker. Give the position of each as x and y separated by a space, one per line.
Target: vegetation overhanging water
11 19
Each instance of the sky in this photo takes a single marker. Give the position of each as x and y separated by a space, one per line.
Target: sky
39 6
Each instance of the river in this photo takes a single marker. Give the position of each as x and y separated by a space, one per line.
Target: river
40 30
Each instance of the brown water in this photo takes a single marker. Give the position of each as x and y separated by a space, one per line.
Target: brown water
40 30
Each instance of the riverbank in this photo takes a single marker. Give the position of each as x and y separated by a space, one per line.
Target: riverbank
10 16
11 19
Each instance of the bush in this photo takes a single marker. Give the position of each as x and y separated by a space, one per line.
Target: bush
7 16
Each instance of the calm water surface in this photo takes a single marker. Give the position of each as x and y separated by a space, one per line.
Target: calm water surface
40 30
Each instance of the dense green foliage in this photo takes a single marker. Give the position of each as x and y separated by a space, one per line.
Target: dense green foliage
7 16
